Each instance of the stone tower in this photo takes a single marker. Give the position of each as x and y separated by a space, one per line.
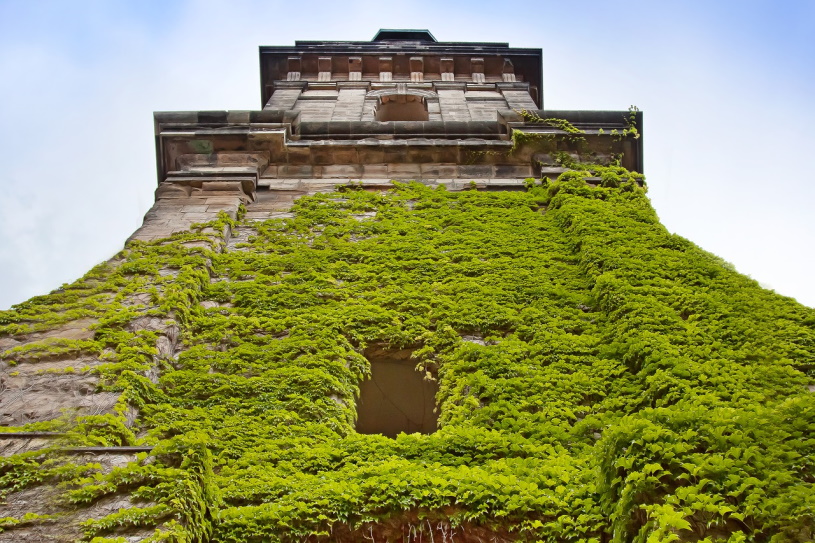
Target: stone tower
403 302
402 106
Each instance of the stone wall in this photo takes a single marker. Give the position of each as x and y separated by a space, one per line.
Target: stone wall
443 101
214 372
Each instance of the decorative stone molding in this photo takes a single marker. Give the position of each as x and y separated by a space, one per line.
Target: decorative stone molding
509 71
354 68
427 94
477 68
386 68
324 69
294 64
416 69
448 69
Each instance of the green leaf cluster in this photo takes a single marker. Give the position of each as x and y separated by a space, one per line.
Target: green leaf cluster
600 378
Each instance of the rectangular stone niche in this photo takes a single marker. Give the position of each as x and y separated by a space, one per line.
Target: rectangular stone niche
397 398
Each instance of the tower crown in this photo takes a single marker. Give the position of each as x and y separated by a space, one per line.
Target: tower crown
409 56
400 107
390 34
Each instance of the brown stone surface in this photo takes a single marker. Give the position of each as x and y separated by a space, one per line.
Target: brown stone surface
33 395
17 445
42 388
65 527
77 329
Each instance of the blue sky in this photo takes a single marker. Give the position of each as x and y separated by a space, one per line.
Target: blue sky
726 89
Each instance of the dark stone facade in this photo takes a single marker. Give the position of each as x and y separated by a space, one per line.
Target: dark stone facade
320 127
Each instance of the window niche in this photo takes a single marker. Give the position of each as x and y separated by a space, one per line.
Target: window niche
397 398
402 107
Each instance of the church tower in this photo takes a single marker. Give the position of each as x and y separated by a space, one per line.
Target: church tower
405 302
402 107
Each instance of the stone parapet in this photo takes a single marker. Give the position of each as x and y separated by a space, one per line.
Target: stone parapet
196 196
214 161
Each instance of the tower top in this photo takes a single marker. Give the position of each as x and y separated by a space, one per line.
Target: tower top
402 106
403 34
411 56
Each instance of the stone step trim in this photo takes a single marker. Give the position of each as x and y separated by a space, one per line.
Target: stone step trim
109 450
30 435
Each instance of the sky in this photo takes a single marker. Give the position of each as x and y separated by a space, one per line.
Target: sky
726 89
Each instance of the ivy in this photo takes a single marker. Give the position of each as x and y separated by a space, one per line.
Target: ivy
625 385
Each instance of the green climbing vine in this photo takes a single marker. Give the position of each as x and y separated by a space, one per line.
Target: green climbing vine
624 385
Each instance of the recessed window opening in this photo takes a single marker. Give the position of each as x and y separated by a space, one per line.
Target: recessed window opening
397 398
402 107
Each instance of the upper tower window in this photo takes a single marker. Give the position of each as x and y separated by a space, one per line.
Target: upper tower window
402 107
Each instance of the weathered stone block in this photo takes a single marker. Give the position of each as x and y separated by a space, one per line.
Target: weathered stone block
436 171
198 217
172 190
375 170
221 200
370 154
295 170
296 155
404 170
215 208
282 184
210 186
342 171
503 182
345 155
476 171
395 154
513 170
193 208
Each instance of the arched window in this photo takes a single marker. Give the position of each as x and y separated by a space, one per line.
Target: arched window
402 107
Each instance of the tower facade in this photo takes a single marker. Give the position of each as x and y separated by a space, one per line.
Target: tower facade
405 302
400 107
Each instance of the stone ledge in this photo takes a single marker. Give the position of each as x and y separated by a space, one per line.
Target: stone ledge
290 173
29 435
108 450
